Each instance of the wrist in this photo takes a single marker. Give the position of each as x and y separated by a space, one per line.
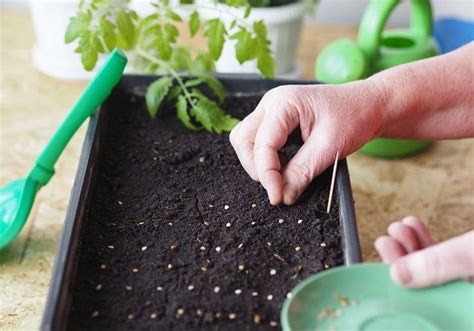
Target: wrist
378 104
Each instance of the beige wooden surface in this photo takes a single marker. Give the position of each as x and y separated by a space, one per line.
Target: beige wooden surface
437 186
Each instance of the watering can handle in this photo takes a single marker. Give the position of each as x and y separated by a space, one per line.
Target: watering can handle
375 18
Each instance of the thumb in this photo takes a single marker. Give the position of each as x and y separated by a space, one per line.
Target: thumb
440 263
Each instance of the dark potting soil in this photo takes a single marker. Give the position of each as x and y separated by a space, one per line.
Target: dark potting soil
178 237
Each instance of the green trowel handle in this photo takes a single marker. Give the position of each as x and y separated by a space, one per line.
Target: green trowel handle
375 18
95 93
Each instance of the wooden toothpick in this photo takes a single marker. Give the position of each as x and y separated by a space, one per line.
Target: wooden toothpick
333 180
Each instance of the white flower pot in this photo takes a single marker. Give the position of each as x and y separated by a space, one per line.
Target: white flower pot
50 54
284 28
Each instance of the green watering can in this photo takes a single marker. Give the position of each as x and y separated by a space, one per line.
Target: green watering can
17 197
375 50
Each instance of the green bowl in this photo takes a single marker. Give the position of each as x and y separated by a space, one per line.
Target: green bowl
362 297
394 148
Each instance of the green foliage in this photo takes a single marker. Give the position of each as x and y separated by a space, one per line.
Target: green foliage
101 25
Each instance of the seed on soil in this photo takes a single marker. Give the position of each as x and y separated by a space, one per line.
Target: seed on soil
281 221
228 225
279 257
238 291
170 223
257 319
131 316
170 266
95 313
217 315
273 272
201 159
232 316
103 266
323 244
326 266
128 288
269 297
159 289
297 248
254 294
240 246
202 248
135 270
206 223
254 205
190 287
120 202
179 311
204 269
211 206
253 223
217 289
226 207
241 267
218 249
153 316
273 323
98 287
111 247
269 243
300 221
199 312
140 223
172 247
144 248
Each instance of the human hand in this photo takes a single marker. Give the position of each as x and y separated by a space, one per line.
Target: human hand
332 119
417 260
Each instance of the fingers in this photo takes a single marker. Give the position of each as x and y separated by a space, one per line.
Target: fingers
242 138
312 158
436 264
421 230
389 249
405 235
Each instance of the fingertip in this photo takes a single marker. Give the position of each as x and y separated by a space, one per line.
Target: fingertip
275 199
289 195
389 249
399 273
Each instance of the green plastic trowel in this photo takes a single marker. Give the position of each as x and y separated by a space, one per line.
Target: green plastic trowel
17 197
362 297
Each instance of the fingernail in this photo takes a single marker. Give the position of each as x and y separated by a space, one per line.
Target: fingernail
289 195
400 273
274 198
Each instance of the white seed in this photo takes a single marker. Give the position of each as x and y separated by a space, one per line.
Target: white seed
297 248
173 247
217 315
180 311
326 266
135 270
323 244
269 243
300 221
253 223
111 247
140 223
204 269
269 297
153 316
226 207
238 291
218 249
170 266
201 159
159 289
232 316
103 266
120 202
191 287
95 313
211 206
273 323
288 295
273 272
131 316
241 267
144 248
98 287
129 288
217 289
170 223
257 318
202 248
240 246
254 205
199 312
228 225
206 223
280 221
254 294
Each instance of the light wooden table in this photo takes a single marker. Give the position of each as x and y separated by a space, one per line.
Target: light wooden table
438 185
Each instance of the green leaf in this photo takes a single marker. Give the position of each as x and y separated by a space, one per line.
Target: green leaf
156 93
194 23
180 59
215 85
174 92
193 82
77 25
182 113
248 9
210 115
260 29
126 30
170 32
266 65
108 33
88 50
172 15
202 63
215 33
246 47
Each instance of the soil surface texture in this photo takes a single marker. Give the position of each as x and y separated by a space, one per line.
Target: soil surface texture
178 237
